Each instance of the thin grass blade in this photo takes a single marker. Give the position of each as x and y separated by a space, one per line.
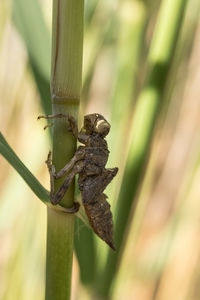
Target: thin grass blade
23 171
146 113
29 21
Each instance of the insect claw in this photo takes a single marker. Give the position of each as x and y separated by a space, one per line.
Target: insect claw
48 157
41 117
48 125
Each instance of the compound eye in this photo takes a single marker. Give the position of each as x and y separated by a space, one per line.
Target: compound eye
103 127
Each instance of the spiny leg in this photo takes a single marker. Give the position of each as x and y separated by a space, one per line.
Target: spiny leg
79 155
73 127
56 198
64 187
53 175
48 125
53 116
72 122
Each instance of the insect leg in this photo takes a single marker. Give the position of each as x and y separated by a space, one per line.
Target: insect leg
73 127
72 122
56 198
79 155
51 171
53 116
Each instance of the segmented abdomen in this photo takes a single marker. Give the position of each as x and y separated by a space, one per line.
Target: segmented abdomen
95 204
100 218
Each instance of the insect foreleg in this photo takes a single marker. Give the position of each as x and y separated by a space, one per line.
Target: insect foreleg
73 127
72 122
53 116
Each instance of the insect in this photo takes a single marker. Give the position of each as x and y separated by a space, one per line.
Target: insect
89 163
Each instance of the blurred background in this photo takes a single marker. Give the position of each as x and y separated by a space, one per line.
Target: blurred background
161 257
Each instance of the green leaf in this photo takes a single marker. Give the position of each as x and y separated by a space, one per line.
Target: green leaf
23 171
29 21
85 251
141 132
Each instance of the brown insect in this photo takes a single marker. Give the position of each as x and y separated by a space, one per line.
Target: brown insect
89 163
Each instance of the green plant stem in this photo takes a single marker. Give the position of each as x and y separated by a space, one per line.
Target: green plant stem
146 112
67 45
59 255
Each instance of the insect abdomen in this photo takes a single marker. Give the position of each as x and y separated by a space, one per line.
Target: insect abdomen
100 218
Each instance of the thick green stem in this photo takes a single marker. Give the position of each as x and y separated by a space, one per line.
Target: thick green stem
67 45
59 255
67 48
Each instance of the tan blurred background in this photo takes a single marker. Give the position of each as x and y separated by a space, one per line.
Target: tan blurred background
162 256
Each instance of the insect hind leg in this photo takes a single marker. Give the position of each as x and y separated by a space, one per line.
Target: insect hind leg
57 197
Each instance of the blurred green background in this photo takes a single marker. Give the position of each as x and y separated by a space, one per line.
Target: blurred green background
161 256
